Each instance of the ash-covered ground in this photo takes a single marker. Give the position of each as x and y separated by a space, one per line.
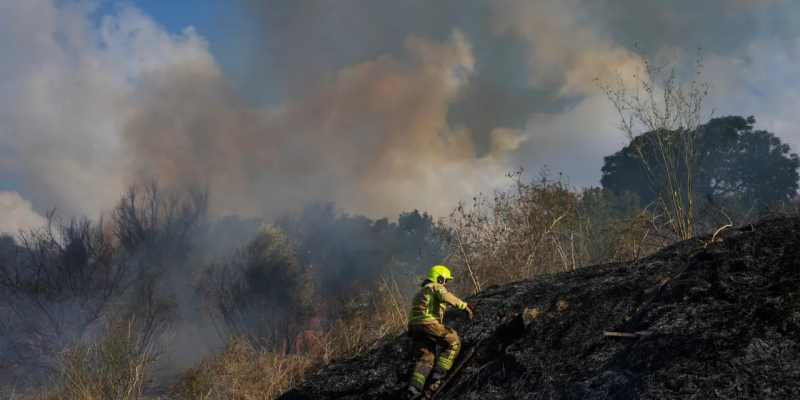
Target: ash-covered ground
721 320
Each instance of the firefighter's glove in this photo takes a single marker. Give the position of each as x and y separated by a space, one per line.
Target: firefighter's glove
470 312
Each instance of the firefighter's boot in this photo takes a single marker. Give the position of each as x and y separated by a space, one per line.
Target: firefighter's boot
436 379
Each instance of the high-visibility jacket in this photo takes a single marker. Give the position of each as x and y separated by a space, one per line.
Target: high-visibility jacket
430 303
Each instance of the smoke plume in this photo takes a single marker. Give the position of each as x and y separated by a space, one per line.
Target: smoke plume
378 106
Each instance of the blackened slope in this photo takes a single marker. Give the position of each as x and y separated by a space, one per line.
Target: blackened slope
725 323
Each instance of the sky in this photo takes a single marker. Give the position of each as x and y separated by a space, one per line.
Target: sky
378 106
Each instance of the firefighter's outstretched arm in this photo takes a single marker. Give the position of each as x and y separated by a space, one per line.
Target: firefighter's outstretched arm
455 302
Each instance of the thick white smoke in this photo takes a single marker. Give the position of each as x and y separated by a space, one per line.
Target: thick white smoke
17 214
67 92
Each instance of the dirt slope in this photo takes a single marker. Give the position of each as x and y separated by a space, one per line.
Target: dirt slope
724 323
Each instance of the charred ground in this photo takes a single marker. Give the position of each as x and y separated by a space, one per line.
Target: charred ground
723 321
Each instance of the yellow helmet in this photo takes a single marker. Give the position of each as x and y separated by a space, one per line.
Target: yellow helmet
438 271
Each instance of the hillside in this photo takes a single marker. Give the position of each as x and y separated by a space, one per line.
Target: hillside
722 321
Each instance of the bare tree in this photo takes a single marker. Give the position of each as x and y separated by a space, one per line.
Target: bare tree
56 283
149 217
669 111
60 282
155 230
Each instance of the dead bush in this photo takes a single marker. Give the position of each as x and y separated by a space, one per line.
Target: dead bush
113 368
545 227
366 319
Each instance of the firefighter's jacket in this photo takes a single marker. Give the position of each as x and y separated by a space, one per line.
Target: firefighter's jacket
431 302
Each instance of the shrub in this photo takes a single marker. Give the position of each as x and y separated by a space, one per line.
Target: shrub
114 368
262 292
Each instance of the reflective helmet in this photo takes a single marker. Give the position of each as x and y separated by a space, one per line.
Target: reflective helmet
438 271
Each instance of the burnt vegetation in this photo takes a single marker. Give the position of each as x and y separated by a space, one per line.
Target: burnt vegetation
159 300
713 318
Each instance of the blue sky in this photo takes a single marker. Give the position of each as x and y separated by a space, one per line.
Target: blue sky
210 17
220 22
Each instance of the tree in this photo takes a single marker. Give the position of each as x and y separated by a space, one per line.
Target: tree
735 164
157 231
751 166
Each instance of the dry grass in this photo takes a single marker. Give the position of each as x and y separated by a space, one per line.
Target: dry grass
242 372
113 368
380 313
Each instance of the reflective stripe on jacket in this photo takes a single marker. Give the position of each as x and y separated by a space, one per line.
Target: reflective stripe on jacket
430 303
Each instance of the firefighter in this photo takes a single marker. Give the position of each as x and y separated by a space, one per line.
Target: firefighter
427 330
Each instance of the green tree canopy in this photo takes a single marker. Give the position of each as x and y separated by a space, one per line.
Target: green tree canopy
733 162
